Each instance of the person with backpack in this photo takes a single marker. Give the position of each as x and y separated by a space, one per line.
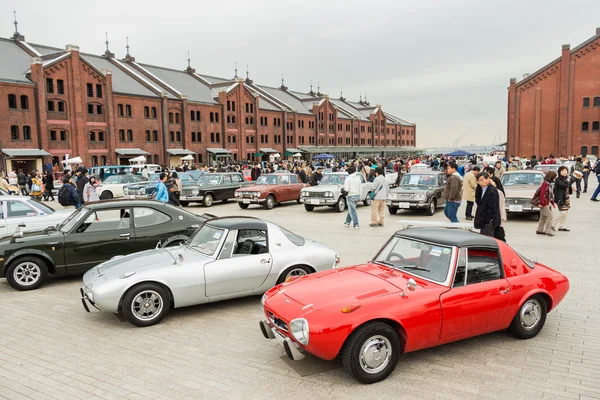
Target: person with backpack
67 195
48 182
36 185
577 167
545 200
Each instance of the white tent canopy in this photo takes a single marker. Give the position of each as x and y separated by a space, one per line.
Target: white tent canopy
297 155
139 159
189 157
277 155
74 160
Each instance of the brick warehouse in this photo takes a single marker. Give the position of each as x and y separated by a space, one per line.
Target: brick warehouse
58 102
557 108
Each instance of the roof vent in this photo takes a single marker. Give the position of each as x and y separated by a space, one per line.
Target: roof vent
526 75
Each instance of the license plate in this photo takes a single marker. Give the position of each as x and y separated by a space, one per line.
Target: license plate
314 201
515 207
182 198
403 205
246 201
132 196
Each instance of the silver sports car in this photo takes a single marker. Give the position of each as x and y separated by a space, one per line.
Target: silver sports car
228 257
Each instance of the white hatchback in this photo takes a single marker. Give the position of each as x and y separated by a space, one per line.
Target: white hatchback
27 214
112 187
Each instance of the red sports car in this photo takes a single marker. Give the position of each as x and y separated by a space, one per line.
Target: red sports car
426 287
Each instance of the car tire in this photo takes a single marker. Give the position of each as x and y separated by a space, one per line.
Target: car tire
431 207
269 202
208 200
392 210
367 201
340 206
27 273
184 203
530 318
297 270
308 207
384 342
150 313
106 195
243 206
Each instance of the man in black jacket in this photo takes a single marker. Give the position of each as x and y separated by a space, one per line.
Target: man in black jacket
315 177
82 179
487 216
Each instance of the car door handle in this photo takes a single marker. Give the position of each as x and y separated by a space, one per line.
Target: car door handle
125 235
505 290
265 261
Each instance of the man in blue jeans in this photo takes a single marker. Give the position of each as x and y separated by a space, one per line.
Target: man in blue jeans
352 185
452 192
597 191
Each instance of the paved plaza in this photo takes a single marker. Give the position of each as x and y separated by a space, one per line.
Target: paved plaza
52 349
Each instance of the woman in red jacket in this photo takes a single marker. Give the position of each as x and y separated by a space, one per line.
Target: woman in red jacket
546 201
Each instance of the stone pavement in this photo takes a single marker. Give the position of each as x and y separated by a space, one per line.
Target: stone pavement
52 349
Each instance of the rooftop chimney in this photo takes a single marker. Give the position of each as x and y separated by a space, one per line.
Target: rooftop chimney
597 31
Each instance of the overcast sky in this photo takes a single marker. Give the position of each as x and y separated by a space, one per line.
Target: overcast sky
444 65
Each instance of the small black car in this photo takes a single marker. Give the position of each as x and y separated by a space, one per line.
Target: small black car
211 187
418 190
91 235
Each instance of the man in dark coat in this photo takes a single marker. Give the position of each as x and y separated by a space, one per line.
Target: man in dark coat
315 177
82 179
487 215
255 172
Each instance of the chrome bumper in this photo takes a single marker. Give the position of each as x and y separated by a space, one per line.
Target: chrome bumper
396 204
250 201
322 201
191 198
292 349
85 299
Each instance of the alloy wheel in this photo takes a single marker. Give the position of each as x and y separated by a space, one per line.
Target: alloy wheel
530 314
27 273
147 305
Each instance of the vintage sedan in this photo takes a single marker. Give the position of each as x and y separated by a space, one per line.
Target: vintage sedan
146 189
519 188
546 167
426 287
26 214
227 258
270 189
112 187
418 191
91 235
211 187
329 192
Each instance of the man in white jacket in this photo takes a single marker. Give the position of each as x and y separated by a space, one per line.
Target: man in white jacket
380 192
352 185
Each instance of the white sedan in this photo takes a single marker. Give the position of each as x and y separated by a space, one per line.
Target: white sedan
112 187
27 214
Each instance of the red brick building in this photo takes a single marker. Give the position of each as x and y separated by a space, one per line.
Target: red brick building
557 108
57 102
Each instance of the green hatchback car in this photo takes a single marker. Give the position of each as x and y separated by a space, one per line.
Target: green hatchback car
91 235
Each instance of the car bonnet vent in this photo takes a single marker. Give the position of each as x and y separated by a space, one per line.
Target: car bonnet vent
385 276
371 294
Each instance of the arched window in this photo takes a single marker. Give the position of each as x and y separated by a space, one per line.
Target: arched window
584 150
92 136
24 102
12 101
94 161
595 150
177 118
101 136
103 160
218 137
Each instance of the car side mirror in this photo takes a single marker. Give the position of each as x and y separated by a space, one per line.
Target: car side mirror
22 225
410 285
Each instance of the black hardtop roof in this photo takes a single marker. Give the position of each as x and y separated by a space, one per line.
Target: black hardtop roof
238 223
448 237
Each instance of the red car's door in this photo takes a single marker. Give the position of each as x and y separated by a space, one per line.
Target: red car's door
478 300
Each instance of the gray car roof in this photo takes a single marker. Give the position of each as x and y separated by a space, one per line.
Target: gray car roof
14 61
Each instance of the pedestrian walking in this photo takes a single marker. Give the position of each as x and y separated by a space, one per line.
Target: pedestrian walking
500 170
499 232
597 191
577 174
352 191
468 190
22 182
562 190
587 169
379 196
89 190
82 180
162 193
48 182
67 195
36 185
487 214
546 202
452 192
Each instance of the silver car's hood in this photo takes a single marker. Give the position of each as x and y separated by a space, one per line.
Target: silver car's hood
135 262
322 188
520 191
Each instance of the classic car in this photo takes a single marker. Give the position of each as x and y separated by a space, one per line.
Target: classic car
270 189
418 190
91 235
146 189
425 287
546 167
227 258
519 188
26 214
421 167
328 192
112 187
211 187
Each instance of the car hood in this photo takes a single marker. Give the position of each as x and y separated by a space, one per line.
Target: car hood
38 235
322 188
142 185
330 290
138 262
412 189
520 191
257 188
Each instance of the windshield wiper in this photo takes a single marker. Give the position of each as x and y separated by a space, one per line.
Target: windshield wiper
415 267
386 263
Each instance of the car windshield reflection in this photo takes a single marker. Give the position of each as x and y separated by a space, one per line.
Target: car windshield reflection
334 179
267 180
417 258
522 179
210 178
206 240
418 180
68 224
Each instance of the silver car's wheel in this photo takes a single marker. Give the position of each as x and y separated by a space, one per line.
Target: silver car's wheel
340 206
375 354
146 304
294 271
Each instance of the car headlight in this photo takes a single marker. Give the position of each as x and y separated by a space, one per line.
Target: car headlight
304 194
125 190
256 194
420 196
299 329
263 298
328 194
393 196
143 191
194 192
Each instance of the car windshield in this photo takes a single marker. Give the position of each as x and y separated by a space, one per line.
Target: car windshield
210 178
418 179
72 220
522 179
153 177
206 240
186 178
42 206
113 179
195 173
547 168
417 258
267 180
333 179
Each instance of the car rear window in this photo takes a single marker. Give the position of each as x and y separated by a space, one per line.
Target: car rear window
297 240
